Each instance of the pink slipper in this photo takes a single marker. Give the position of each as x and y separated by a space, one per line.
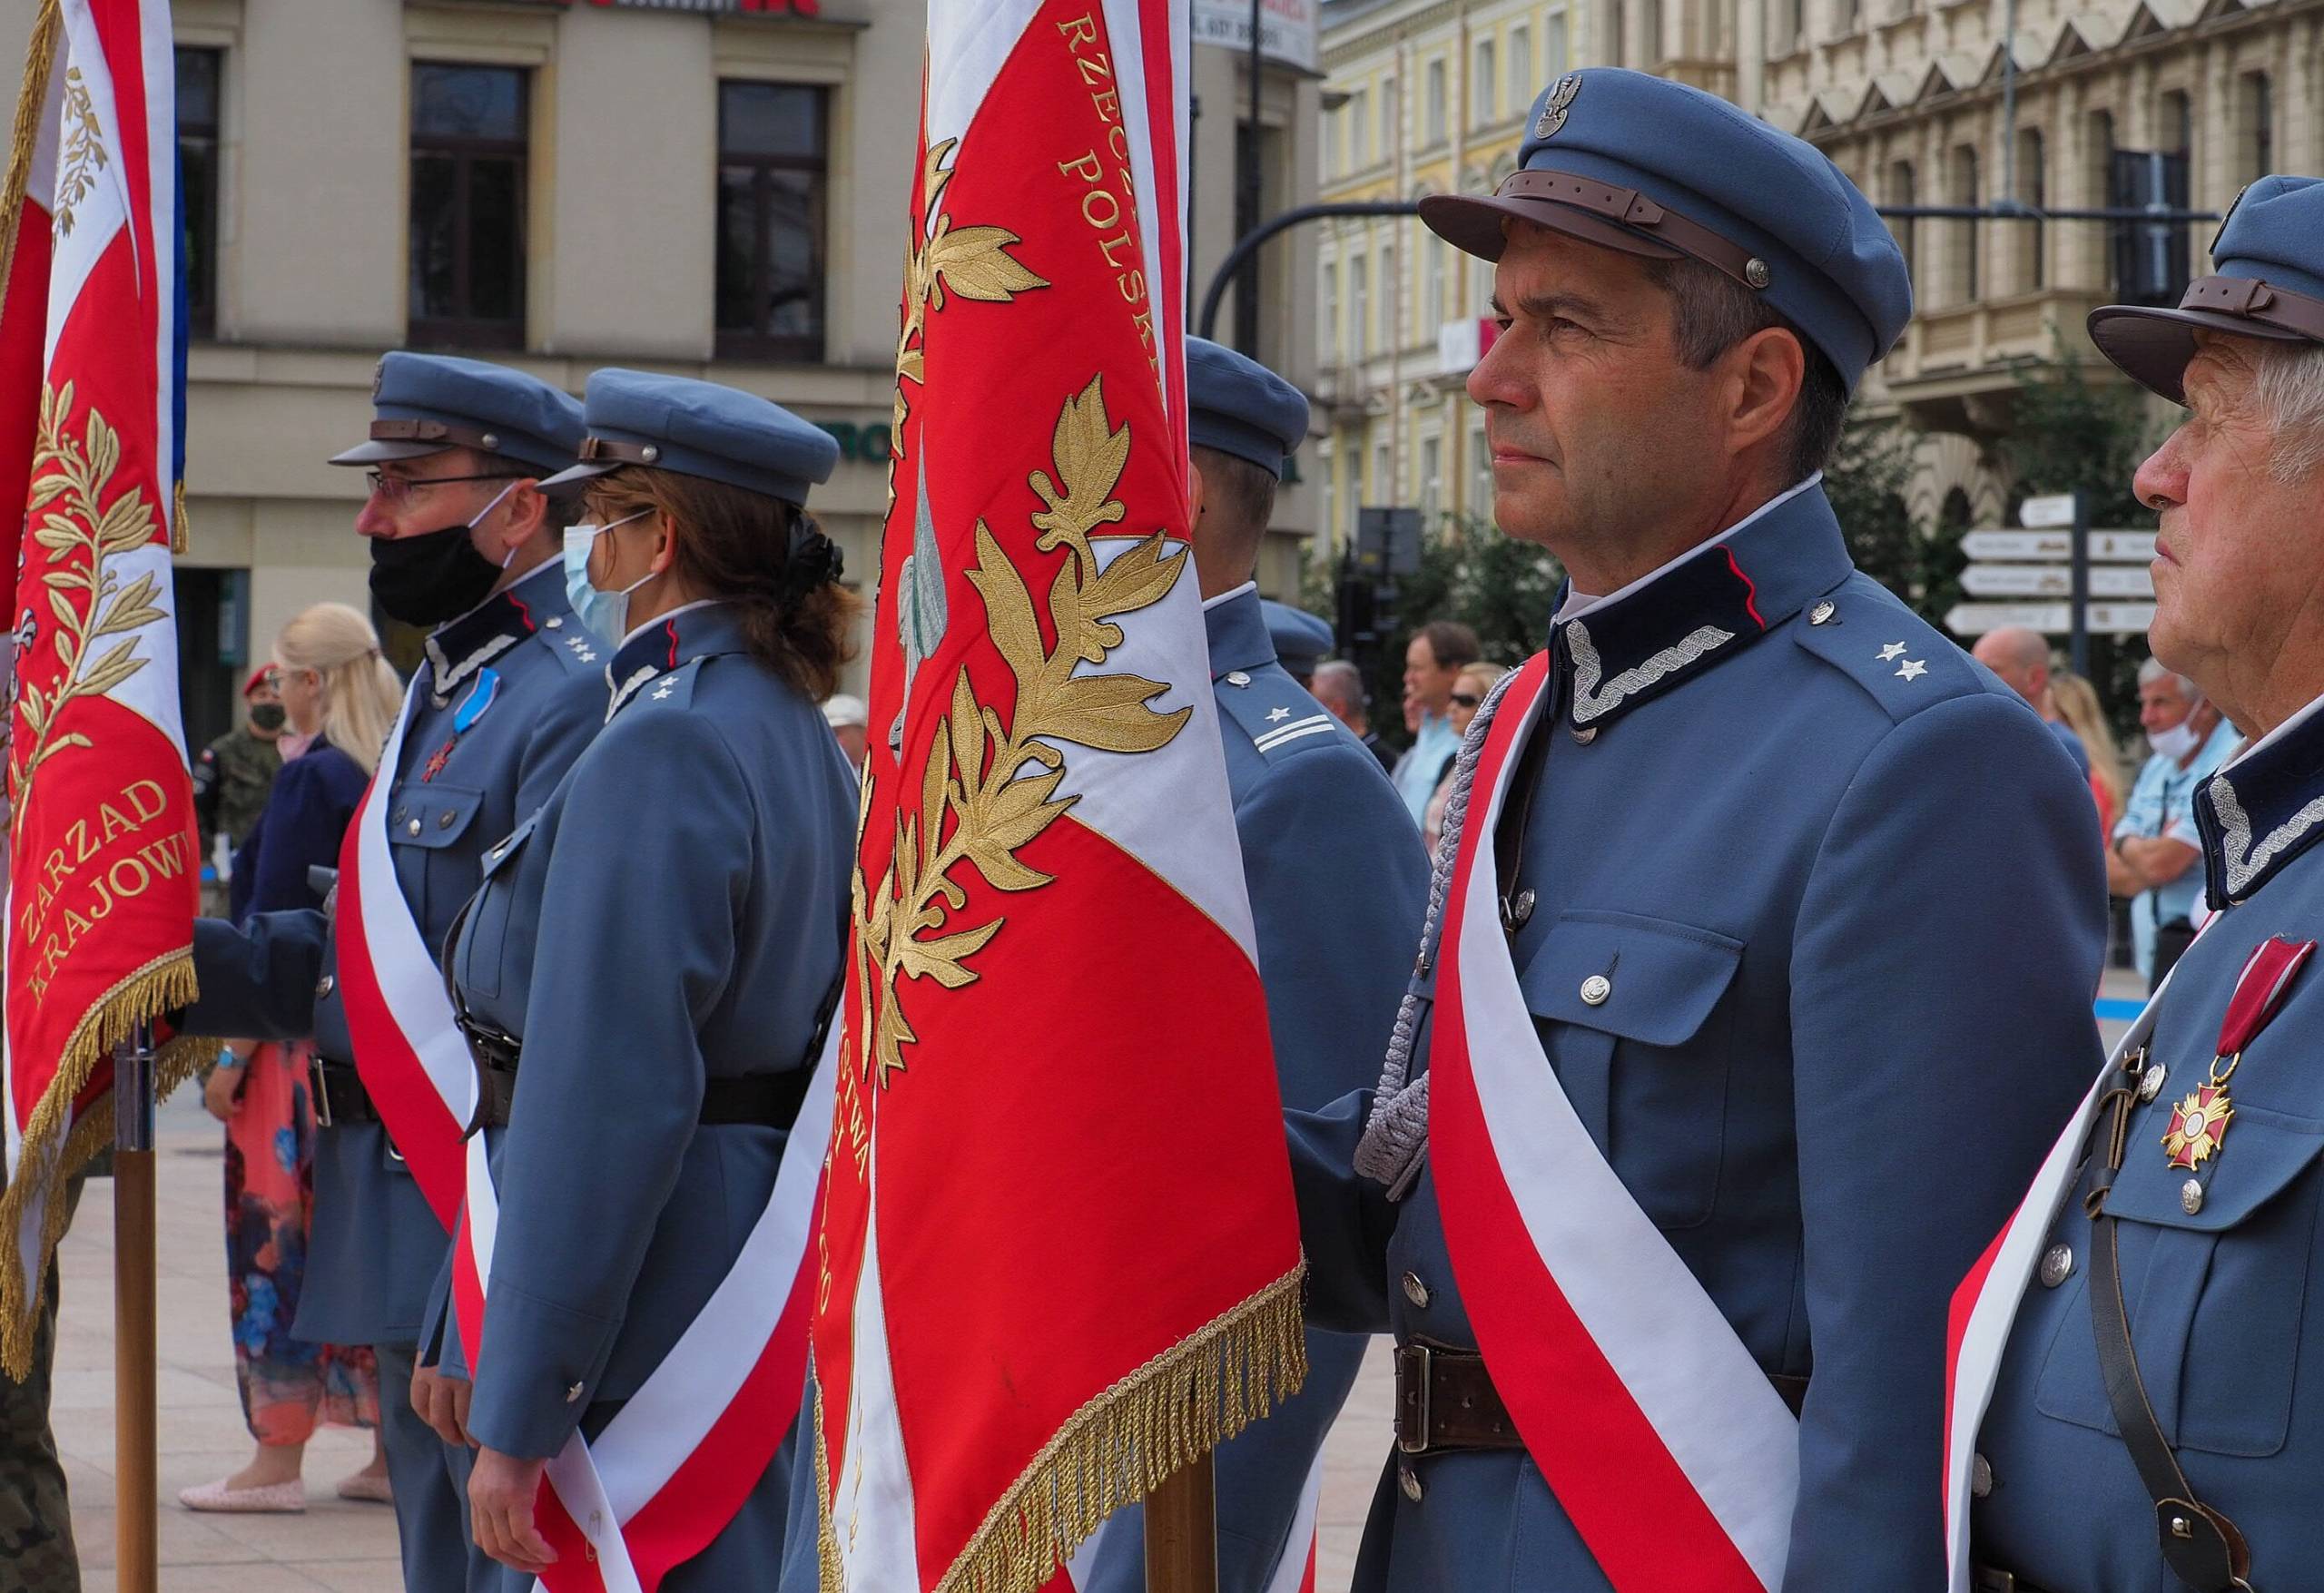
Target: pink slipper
364 1486
276 1498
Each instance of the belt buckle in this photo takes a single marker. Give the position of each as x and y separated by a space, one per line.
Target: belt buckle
319 1088
1419 1358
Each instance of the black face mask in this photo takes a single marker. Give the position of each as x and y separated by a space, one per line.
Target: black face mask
269 716
427 579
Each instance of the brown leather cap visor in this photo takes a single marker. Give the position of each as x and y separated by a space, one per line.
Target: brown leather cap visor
2153 346
1603 214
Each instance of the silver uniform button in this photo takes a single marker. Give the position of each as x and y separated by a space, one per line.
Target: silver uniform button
322 986
1521 906
573 1394
444 820
1595 990
1236 677
1415 1291
412 828
2191 1195
2151 1082
1585 734
2057 1265
1821 615
1981 1476
554 622
1409 1481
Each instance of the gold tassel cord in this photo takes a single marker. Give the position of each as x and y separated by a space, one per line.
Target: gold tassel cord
1119 1447
40 60
177 521
160 985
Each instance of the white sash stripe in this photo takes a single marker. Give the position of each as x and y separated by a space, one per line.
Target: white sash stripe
1984 1338
1679 1358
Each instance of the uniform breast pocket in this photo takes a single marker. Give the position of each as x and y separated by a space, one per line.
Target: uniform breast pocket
425 825
495 938
2215 1296
1621 1002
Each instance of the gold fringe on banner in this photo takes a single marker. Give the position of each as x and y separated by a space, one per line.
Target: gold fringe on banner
40 60
177 521
160 985
1118 1448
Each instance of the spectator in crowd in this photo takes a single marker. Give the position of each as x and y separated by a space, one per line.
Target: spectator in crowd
1338 685
339 692
1469 691
846 715
2155 846
233 773
2076 701
2021 658
1433 658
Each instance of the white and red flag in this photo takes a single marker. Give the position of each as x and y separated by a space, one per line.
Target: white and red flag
1058 1256
103 876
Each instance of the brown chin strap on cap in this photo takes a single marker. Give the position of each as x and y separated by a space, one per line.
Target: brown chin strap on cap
2250 299
1633 209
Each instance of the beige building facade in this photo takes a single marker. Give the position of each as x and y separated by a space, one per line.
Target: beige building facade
712 188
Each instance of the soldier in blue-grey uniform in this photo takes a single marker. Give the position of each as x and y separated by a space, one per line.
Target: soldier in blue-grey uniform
1804 906
1300 639
1337 895
2158 1420
511 689
647 970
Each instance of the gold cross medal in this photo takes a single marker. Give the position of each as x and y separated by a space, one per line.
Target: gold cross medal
2199 1122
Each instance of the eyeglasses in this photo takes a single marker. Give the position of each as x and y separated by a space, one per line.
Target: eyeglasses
396 490
1466 700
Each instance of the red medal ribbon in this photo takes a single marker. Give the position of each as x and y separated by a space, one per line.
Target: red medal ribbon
2260 990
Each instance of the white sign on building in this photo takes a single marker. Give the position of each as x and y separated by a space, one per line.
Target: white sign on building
1287 28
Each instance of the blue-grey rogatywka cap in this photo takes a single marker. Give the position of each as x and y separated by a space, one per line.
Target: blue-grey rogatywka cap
426 403
1239 406
698 428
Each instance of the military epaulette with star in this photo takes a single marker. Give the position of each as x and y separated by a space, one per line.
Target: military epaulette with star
1272 710
576 648
1903 661
672 688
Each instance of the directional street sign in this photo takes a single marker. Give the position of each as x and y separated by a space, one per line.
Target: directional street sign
2105 547
2041 514
2054 581
2110 619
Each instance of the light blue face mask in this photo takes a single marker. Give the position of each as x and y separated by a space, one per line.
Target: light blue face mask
605 614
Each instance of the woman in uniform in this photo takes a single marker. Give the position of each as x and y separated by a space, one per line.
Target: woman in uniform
647 971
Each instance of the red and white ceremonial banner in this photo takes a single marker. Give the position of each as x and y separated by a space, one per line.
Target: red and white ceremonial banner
1058 1256
1663 1440
676 1462
103 876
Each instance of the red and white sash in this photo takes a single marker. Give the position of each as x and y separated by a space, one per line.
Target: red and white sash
676 1463
1659 1433
1985 1303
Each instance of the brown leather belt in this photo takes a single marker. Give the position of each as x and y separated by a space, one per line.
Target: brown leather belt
1445 1401
338 1094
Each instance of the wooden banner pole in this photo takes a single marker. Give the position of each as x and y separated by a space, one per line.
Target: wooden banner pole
135 1485
1182 1532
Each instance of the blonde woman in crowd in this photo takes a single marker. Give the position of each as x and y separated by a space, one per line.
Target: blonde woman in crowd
1469 691
338 692
2077 701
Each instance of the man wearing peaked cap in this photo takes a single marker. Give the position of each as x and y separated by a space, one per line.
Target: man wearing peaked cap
1334 939
1300 639
2136 1380
510 690
1715 1071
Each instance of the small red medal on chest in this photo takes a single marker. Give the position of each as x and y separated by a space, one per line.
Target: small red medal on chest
2198 1125
437 759
2199 1122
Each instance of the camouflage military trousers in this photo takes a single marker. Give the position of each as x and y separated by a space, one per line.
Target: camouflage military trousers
37 1554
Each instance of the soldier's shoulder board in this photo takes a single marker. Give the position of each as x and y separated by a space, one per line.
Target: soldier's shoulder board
575 648
1899 659
672 689
1270 707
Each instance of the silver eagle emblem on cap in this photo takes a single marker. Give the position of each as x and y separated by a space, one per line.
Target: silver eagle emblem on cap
1560 101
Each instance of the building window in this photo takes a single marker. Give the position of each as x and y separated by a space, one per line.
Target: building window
1433 130
2255 113
1963 263
1383 476
2033 192
1328 494
1520 67
1389 289
199 73
1650 33
1905 227
468 155
1359 309
1484 85
771 180
1327 316
2177 123
1431 479
1554 46
1359 130
1431 314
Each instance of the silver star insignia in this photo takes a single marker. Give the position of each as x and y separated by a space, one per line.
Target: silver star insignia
1912 669
662 694
1277 716
1891 652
